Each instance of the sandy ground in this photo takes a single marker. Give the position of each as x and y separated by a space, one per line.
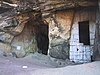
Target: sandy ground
30 66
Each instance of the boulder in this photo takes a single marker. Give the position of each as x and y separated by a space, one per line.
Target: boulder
21 49
5 37
5 49
59 49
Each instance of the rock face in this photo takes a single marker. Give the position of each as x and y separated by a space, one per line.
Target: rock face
59 33
18 37
26 20
96 53
26 42
5 38
5 49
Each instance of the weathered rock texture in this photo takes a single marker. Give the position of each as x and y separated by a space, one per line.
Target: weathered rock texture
24 42
21 25
96 52
46 6
59 33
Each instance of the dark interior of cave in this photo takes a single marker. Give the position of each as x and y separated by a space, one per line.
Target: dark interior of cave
42 38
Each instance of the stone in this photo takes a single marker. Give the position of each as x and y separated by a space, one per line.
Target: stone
25 42
59 50
5 37
59 33
5 49
19 25
18 53
3 24
21 49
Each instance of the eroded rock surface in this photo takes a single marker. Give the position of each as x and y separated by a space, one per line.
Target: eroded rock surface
59 33
20 22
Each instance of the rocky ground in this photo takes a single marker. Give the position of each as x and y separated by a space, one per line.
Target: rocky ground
38 64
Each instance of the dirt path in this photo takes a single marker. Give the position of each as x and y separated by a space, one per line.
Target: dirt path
28 66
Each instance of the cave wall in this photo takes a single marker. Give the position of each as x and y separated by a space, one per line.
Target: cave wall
18 38
21 34
25 42
32 38
59 33
63 31
96 49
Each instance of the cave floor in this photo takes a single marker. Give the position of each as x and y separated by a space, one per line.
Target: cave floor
29 66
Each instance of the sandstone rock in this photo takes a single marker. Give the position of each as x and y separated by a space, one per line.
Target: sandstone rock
18 52
3 24
45 5
59 34
5 49
24 43
59 50
8 23
21 49
6 38
23 28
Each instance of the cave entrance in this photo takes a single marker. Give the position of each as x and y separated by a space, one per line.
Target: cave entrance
42 38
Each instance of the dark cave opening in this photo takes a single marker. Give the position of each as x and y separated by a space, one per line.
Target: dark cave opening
42 38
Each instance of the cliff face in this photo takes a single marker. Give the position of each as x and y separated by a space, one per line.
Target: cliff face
46 6
23 21
59 33
96 52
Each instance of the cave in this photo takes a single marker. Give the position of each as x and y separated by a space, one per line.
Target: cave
42 38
